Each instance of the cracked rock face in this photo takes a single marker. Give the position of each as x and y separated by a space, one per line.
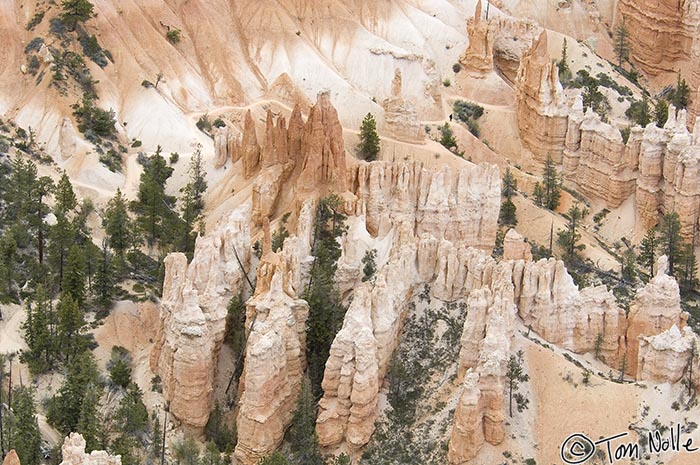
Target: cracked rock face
193 316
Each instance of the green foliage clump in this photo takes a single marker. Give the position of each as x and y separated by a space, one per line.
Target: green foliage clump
93 121
91 49
447 138
621 44
119 367
23 428
203 123
563 64
516 375
369 264
75 11
369 145
301 434
639 112
173 35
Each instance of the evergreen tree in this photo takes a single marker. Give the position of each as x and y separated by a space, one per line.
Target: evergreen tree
594 99
131 416
66 201
26 439
681 94
621 46
193 202
186 451
70 321
8 260
369 264
325 309
119 367
661 113
75 11
302 431
90 422
648 250
65 407
369 145
640 112
551 187
670 243
510 185
104 279
156 437
38 334
516 375
569 237
154 209
74 276
118 225
687 271
447 138
507 215
126 446
218 432
538 193
563 65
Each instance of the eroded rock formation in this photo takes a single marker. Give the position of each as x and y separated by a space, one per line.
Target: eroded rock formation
669 356
401 116
655 309
275 358
458 205
193 316
73 453
540 104
515 247
11 458
478 58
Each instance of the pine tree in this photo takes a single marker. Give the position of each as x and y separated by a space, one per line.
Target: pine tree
621 46
66 201
118 225
302 432
38 335
275 459
538 193
661 113
132 417
104 280
74 275
156 436
687 269
551 187
90 422
569 237
75 11
516 375
510 185
447 138
25 438
507 215
681 94
564 70
8 260
65 407
670 242
193 202
369 145
154 209
70 321
648 250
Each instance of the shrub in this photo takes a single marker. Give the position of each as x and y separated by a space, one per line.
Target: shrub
467 110
147 84
112 160
93 120
174 157
136 144
91 49
34 45
173 36
446 83
219 123
457 68
36 20
203 123
33 65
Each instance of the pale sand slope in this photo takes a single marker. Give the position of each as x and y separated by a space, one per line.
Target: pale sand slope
601 409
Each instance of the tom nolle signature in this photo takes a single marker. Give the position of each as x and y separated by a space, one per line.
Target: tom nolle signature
578 448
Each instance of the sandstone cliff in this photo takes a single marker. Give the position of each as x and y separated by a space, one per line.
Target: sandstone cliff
540 104
193 316
668 356
73 453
